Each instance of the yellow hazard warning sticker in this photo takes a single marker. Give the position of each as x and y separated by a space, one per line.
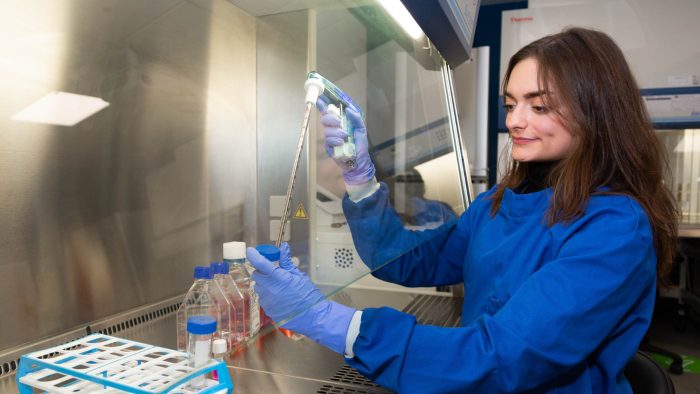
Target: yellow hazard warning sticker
300 213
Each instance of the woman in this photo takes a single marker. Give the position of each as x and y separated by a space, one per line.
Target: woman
560 260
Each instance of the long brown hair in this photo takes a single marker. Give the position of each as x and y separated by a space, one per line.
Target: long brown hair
614 142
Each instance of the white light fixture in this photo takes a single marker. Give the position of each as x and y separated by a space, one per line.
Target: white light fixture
61 108
401 15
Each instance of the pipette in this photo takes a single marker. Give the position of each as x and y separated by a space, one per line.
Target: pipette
314 87
338 102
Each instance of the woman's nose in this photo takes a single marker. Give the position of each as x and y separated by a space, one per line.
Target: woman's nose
516 119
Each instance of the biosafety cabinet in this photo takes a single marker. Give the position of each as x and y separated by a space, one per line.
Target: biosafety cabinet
139 136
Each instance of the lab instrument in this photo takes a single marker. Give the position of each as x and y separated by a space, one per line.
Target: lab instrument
314 87
337 102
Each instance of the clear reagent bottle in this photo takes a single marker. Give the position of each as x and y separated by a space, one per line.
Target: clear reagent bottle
197 302
200 330
205 298
219 349
234 255
236 301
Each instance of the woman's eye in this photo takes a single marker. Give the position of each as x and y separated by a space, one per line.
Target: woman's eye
508 107
539 109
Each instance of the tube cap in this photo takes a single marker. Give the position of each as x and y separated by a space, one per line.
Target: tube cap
270 252
202 273
219 346
201 325
234 250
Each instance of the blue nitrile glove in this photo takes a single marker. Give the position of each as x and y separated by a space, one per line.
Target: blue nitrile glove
363 171
285 292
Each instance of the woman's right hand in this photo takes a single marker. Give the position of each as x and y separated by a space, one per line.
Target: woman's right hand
363 169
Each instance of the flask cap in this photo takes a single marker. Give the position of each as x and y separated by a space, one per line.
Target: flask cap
202 273
201 325
270 252
234 250
219 346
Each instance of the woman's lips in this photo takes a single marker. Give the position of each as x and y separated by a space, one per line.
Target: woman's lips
523 141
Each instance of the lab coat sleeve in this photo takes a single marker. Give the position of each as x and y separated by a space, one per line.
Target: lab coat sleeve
564 313
406 257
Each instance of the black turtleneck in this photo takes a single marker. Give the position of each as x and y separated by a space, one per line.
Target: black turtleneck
536 176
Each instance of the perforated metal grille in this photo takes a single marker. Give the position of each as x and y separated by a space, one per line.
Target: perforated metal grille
9 367
344 258
328 389
110 327
436 310
350 376
135 321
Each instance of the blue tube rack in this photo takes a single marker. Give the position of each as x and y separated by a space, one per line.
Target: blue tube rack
103 364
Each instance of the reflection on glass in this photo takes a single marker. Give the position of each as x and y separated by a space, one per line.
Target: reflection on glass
683 149
397 82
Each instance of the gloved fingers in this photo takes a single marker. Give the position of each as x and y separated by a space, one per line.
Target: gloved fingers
259 279
334 132
260 263
360 135
286 257
261 288
334 141
321 105
354 118
285 252
330 120
329 150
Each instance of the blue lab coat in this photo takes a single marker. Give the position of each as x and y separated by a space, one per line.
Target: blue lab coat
546 309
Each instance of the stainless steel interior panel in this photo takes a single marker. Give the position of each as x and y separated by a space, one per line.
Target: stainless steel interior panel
114 212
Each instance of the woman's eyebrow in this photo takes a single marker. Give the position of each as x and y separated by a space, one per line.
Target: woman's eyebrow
528 95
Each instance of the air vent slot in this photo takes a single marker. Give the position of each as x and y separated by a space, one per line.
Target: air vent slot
344 258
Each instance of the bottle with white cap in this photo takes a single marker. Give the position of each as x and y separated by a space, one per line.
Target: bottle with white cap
219 349
234 255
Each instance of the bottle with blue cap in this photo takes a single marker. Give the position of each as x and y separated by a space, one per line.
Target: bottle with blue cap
204 298
234 255
272 253
200 330
235 299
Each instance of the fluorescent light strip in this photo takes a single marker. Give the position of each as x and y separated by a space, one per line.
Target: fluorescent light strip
61 108
401 15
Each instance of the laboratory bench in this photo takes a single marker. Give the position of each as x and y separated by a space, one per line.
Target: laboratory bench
273 362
